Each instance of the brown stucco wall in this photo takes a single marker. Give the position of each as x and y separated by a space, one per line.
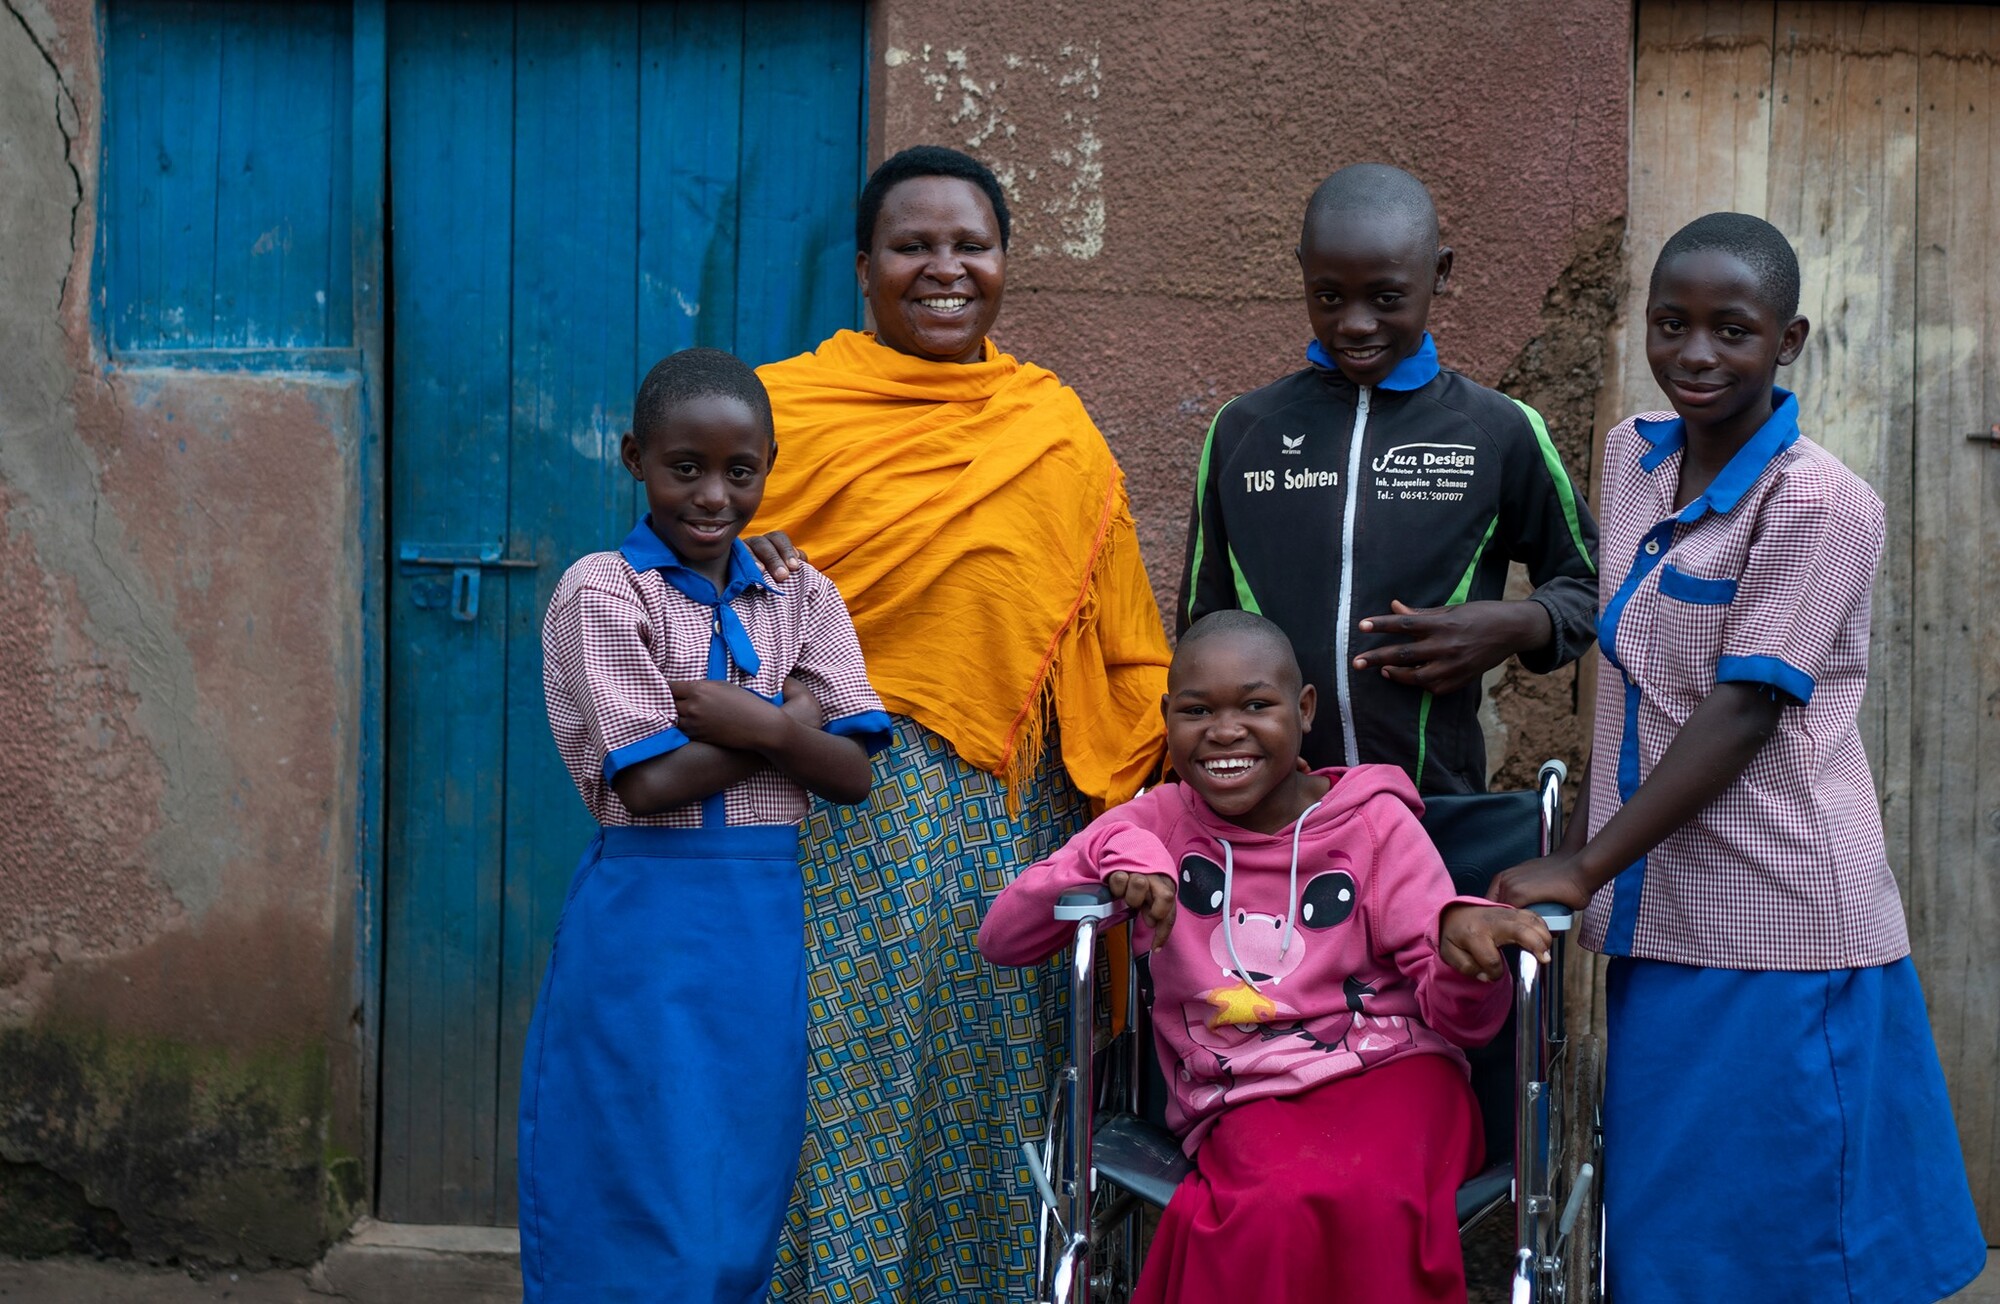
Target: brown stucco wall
179 629
180 1066
1159 153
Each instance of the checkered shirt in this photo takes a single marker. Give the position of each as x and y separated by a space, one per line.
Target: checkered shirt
1764 579
613 639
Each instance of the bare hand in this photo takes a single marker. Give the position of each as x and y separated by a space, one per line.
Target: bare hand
1150 896
1558 879
801 705
1470 938
776 553
1446 648
712 711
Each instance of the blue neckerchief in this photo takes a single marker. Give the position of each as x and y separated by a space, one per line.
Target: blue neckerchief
1413 372
1777 434
645 550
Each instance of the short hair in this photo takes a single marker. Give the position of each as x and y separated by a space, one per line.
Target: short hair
1242 624
1762 247
1374 190
692 374
925 161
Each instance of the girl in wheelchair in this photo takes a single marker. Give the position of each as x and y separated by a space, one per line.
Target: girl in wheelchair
1312 973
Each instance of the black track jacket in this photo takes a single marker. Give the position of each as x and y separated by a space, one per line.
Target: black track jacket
1318 501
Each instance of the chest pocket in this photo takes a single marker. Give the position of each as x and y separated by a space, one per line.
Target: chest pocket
1687 630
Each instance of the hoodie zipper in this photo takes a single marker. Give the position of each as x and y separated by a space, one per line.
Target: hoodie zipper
1344 614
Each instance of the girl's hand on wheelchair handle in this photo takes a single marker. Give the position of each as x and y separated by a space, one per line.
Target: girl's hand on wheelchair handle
1150 896
1559 878
1470 938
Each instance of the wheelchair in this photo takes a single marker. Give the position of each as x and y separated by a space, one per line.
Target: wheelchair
1107 1155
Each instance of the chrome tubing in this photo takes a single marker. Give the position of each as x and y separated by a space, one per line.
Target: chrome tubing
1073 1271
1531 1199
1077 1088
1549 785
1524 1279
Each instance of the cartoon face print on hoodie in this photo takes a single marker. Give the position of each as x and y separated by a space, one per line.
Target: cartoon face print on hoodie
1263 932
1295 957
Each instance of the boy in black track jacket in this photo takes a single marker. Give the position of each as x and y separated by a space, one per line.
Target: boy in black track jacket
1371 503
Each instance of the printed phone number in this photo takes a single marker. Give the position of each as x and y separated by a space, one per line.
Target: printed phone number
1421 496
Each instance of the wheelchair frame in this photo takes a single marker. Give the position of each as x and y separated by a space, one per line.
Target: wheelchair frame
1087 1247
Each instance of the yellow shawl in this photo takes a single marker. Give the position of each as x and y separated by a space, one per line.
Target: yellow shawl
977 525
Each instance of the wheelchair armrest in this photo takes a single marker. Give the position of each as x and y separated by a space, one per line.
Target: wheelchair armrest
1085 903
1557 916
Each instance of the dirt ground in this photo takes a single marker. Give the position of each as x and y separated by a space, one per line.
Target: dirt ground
72 1281
84 1281
1489 1252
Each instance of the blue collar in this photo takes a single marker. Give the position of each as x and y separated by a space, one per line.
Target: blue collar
1776 435
1413 372
645 550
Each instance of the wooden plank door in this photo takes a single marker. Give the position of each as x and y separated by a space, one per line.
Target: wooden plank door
1954 889
1863 132
576 190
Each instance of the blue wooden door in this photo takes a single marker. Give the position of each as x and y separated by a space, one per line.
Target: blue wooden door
575 191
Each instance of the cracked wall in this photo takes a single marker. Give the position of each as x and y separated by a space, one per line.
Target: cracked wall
178 703
177 748
1158 157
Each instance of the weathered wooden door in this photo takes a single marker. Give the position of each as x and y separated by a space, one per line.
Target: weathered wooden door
1866 133
575 191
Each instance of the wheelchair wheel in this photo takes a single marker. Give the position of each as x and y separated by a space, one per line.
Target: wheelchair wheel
1117 1233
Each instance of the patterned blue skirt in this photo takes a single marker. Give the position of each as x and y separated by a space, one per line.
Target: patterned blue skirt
928 1066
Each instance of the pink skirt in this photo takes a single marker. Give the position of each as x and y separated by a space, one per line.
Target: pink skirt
1347 1192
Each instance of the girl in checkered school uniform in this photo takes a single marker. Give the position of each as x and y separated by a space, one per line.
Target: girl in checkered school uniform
696 703
1775 1120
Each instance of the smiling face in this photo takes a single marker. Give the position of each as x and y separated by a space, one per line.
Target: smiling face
703 466
1235 713
1715 343
934 273
1369 279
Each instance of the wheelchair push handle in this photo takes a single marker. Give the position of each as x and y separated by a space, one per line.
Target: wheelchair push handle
1084 903
1548 787
1557 916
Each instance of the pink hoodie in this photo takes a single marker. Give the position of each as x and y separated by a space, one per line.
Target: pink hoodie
1295 957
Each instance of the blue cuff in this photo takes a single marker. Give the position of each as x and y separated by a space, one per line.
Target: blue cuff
644 750
872 729
1774 671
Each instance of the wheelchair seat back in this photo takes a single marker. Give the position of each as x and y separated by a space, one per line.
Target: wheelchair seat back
1478 835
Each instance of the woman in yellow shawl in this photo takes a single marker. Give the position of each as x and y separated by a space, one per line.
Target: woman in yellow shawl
977 525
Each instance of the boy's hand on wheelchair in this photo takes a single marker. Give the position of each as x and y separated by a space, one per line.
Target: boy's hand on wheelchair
1152 897
1470 938
712 711
1558 879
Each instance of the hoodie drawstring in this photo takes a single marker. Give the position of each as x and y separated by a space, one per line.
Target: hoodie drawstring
1292 890
1291 898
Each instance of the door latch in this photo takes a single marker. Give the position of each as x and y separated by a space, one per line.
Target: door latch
466 562
1991 437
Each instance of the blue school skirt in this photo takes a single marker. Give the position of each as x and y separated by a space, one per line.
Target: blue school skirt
663 1088
1779 1137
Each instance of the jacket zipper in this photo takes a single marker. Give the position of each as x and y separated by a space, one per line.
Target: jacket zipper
1344 615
